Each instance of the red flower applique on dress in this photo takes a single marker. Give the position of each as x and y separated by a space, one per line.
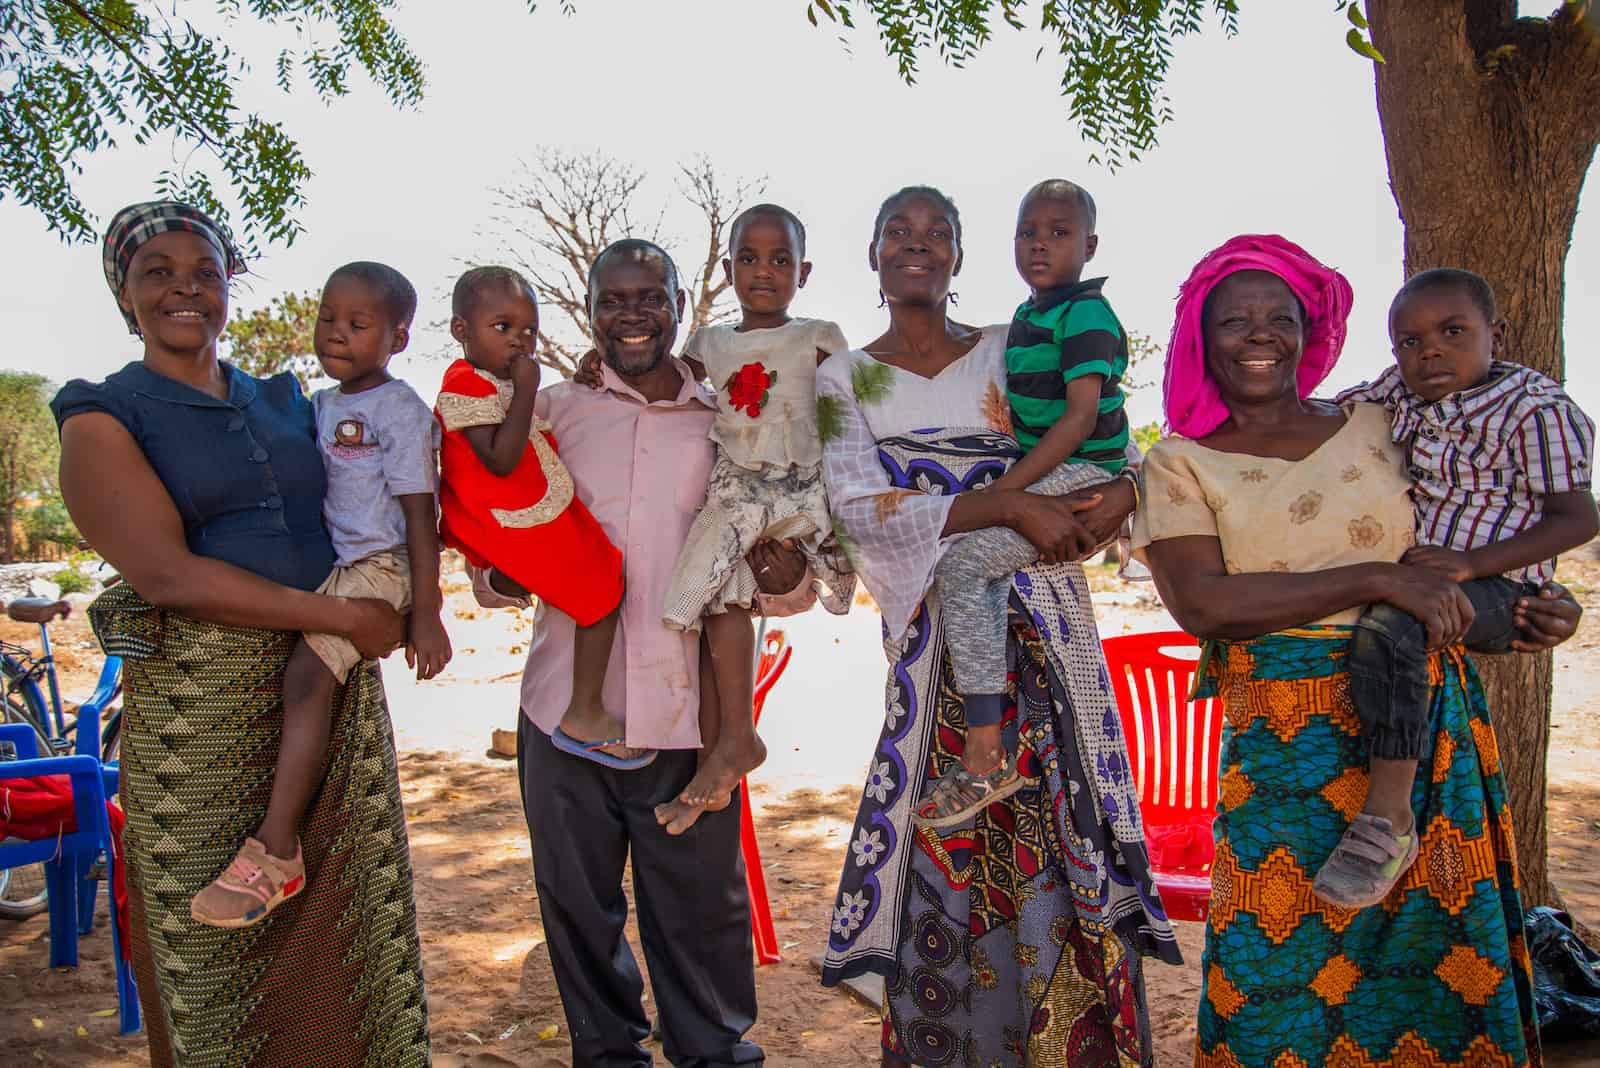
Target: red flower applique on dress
747 389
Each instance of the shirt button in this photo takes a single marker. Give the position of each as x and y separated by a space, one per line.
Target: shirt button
274 502
236 423
259 456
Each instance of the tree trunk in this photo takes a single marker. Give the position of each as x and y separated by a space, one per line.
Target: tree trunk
1489 125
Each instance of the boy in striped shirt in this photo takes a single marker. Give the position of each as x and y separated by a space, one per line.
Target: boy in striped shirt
1066 354
1499 458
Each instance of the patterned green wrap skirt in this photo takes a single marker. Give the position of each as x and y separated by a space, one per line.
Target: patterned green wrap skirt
1435 976
331 978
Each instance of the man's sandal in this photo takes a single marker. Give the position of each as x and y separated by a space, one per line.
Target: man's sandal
960 794
1366 863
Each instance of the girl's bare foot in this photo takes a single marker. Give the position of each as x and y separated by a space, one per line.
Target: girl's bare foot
735 755
677 817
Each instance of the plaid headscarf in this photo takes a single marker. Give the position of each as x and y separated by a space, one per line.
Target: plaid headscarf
1193 403
138 223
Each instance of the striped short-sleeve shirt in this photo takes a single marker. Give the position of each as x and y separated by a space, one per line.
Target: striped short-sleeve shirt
1059 335
1482 460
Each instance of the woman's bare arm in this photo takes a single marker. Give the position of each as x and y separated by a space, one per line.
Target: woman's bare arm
123 510
1210 603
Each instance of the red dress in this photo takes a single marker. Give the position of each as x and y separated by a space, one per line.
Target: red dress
528 525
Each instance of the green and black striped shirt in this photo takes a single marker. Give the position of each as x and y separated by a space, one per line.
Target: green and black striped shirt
1060 335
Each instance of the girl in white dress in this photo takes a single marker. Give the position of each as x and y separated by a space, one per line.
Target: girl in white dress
766 485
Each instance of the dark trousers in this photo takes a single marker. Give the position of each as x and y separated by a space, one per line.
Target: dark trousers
694 911
1388 663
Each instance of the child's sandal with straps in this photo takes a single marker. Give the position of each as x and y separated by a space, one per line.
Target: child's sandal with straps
960 794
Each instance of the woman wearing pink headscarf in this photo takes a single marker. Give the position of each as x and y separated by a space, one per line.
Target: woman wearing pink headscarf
1269 521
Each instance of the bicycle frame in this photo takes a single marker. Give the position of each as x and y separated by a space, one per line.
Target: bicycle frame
33 667
44 664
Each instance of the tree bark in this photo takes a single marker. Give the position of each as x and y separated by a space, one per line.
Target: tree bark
1489 124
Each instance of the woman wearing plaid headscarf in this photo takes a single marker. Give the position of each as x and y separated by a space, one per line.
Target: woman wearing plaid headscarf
203 486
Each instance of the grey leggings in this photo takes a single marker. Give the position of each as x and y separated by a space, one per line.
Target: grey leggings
974 582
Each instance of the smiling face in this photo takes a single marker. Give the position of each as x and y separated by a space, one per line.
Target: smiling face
177 291
634 313
500 327
1254 333
355 334
1053 241
1442 340
916 252
767 266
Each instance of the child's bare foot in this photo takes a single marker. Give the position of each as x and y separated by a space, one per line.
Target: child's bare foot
587 723
678 816
731 759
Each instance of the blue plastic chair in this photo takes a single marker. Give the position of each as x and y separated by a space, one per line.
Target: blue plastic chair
87 734
68 857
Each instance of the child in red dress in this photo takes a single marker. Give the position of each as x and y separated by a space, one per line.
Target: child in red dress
506 500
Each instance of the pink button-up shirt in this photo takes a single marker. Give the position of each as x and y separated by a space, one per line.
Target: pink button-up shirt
642 470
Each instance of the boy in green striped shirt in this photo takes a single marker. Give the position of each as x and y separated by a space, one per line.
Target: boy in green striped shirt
1065 357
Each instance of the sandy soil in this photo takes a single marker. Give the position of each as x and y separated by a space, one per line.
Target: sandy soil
491 994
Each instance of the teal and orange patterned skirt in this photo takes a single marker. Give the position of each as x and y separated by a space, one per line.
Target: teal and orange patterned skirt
1437 975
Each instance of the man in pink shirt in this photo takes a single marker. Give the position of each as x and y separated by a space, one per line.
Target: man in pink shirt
640 458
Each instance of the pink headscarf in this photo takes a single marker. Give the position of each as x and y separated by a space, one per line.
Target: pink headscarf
1193 403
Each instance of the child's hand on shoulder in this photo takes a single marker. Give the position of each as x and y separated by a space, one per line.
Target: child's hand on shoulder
427 644
588 372
1453 565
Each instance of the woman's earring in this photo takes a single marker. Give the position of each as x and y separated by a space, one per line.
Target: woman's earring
955 298
883 301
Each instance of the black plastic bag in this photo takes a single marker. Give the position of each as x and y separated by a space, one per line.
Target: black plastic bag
1566 978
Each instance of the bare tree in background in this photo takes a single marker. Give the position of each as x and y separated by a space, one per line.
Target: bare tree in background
561 209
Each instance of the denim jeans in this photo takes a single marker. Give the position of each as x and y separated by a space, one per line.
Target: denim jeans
1389 663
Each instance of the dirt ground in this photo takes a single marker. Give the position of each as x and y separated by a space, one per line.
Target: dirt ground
491 994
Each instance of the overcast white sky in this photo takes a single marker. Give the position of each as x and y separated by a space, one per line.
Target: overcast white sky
1275 130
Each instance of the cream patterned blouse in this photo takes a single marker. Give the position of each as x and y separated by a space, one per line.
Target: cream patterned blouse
1347 503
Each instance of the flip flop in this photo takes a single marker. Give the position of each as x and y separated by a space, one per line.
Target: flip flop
595 751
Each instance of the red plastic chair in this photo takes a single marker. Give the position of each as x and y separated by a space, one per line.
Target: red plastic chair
1173 746
773 659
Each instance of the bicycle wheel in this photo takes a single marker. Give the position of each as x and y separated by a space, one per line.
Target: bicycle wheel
23 704
22 892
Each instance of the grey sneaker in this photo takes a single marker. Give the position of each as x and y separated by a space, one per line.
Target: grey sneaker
1366 863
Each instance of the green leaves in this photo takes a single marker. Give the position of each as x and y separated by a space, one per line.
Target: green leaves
29 448
1361 46
80 76
871 381
830 417
277 338
1114 53
1357 37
